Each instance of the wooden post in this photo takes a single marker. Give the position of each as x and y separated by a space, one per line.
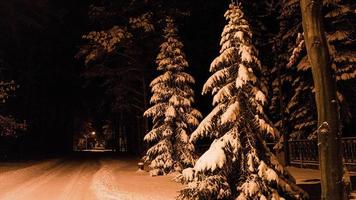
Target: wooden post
140 166
331 165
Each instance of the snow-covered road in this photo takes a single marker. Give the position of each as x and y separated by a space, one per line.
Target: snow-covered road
96 177
88 178
92 176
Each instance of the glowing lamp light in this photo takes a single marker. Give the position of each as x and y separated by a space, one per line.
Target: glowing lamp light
93 133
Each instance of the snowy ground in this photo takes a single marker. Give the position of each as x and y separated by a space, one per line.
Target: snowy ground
104 178
84 178
309 180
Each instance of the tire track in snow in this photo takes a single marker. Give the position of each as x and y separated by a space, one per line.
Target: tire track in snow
28 170
23 190
78 186
13 178
103 184
73 184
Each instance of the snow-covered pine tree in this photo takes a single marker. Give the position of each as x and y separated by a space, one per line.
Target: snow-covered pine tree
296 79
238 164
172 113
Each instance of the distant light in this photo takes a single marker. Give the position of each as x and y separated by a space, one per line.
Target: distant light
93 133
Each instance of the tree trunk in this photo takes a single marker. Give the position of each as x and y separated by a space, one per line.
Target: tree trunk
283 154
145 104
331 165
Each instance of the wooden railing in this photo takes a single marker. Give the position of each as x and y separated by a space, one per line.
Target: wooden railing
305 152
349 150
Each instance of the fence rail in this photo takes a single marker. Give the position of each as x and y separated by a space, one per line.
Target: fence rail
305 152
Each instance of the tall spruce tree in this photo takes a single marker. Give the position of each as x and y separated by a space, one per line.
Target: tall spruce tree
295 83
238 164
172 113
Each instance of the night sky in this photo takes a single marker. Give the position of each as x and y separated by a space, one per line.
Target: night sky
39 40
38 43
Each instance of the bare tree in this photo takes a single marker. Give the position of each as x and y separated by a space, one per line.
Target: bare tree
326 101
